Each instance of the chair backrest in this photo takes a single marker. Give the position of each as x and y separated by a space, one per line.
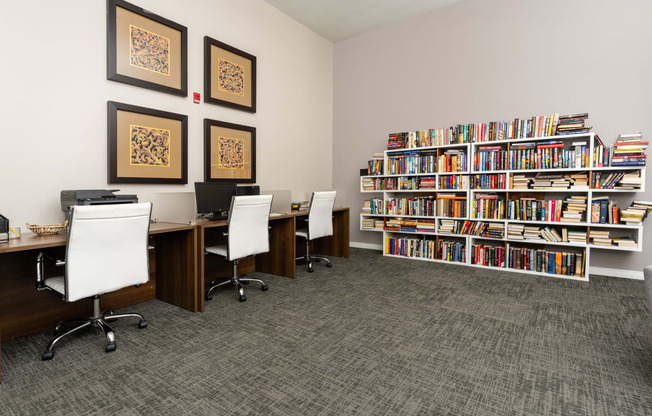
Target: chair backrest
107 249
248 222
320 217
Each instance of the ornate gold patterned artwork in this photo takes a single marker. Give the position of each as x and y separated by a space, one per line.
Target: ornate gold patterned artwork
149 146
231 78
149 51
230 154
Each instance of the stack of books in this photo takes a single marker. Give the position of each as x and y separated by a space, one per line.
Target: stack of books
520 181
368 224
625 242
600 237
494 230
394 224
576 236
397 141
580 181
575 208
447 227
630 180
636 213
515 231
367 184
531 232
424 225
551 181
629 150
573 124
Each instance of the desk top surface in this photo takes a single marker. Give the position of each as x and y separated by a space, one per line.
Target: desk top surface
34 242
291 214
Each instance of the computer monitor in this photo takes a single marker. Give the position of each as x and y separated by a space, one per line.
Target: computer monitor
247 190
214 199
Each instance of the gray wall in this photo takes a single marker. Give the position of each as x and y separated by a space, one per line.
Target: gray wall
480 61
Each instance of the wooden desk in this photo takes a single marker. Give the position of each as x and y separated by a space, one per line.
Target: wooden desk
177 270
25 310
281 258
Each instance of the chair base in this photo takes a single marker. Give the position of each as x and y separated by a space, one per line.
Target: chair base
308 258
100 320
236 281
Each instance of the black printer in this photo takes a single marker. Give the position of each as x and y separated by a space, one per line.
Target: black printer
93 197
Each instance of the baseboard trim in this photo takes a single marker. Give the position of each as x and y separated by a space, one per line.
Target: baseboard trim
369 246
601 271
625 274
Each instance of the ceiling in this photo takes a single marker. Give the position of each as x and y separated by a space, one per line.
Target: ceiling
340 19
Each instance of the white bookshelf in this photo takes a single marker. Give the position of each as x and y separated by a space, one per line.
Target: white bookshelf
634 231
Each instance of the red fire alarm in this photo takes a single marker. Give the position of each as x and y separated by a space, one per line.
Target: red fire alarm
195 97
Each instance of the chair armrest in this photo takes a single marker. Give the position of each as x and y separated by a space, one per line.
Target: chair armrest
40 261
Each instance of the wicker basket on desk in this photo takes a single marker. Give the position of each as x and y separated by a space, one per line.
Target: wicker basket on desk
46 229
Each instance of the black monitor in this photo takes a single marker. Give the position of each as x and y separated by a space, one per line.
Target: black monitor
214 199
248 190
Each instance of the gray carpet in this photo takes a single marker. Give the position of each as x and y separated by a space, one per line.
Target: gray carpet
370 336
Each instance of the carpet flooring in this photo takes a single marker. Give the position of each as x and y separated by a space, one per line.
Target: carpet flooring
370 336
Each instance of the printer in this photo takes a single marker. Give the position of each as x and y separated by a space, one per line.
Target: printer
93 197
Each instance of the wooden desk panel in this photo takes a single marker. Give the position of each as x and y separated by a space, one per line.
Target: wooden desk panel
25 310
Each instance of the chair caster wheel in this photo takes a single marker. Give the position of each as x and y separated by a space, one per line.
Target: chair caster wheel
329 264
142 324
47 355
110 347
317 260
242 298
208 297
264 288
244 282
310 270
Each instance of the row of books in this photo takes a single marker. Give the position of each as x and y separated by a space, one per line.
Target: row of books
488 207
376 167
488 255
412 163
551 234
453 160
604 211
617 180
547 261
454 182
537 126
629 150
530 209
424 248
373 206
486 181
479 228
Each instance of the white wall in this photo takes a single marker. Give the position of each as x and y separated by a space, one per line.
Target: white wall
480 61
54 91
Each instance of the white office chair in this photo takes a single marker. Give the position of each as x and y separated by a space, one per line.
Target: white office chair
320 224
248 234
107 250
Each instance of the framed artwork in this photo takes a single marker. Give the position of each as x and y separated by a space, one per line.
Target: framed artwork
229 152
146 145
229 76
146 50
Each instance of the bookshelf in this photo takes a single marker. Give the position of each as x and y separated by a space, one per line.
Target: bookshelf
474 204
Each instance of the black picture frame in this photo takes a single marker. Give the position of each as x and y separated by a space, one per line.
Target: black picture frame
179 69
212 73
178 171
209 152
